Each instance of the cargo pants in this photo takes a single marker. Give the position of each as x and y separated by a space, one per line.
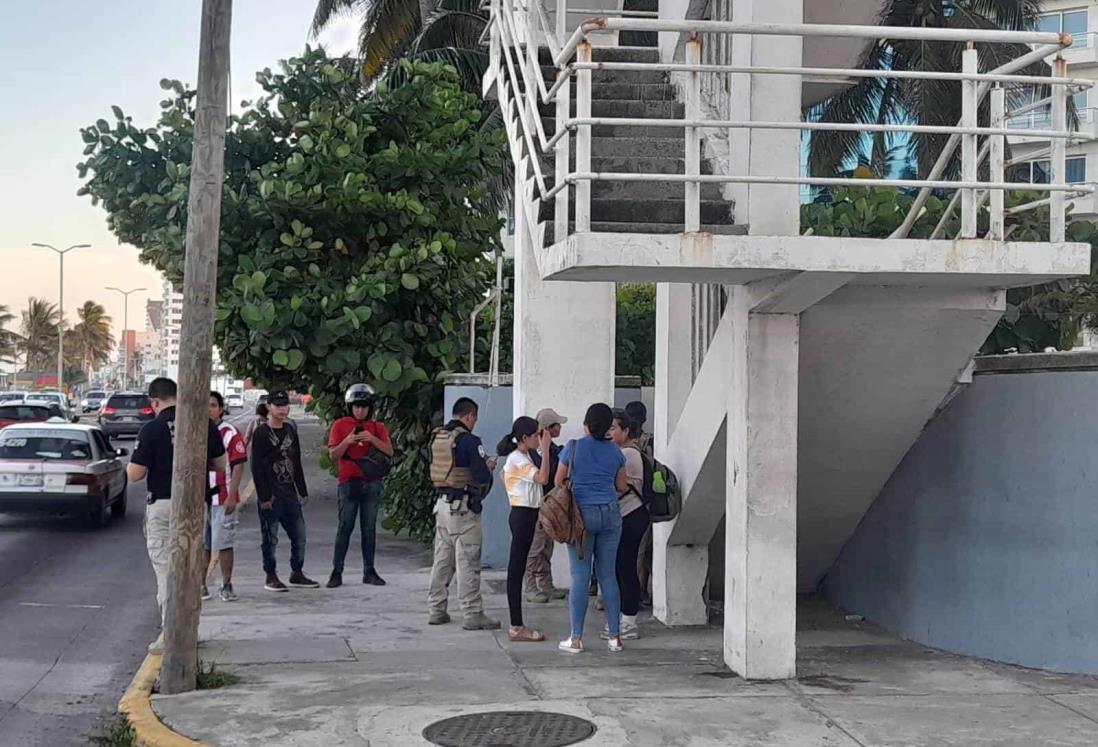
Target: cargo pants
458 538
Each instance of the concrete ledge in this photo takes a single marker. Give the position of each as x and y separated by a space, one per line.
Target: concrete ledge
137 709
483 379
1067 360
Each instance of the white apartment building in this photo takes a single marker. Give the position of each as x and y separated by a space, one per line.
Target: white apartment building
1080 19
171 323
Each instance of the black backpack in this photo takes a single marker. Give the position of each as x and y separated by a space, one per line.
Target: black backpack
659 490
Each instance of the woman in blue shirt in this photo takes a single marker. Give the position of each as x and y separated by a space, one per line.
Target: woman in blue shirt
596 467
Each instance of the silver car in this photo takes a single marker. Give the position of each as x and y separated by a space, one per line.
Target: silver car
61 468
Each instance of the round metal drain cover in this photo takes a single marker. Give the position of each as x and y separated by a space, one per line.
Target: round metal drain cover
509 729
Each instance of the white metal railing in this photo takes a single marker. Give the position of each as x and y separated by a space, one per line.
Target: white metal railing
518 31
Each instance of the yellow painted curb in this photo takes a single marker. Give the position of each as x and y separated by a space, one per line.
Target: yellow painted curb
137 708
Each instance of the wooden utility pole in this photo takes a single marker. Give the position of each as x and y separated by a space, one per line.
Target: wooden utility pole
189 472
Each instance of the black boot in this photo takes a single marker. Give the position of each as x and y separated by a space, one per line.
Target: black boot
373 579
335 580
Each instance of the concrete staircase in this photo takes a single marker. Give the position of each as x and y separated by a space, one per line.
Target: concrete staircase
634 207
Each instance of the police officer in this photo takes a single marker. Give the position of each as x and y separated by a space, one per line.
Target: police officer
462 475
152 459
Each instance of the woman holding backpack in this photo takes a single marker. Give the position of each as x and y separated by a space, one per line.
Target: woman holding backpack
523 482
634 523
596 468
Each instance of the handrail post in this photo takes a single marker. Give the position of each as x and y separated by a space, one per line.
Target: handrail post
692 149
583 139
997 161
1057 220
562 21
969 64
560 213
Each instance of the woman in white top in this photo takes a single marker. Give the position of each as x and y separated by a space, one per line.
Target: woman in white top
522 481
634 523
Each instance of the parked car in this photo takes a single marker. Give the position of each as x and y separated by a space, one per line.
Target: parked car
55 398
28 412
93 400
124 413
61 468
11 396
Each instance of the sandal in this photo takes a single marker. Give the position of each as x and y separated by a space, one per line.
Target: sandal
525 635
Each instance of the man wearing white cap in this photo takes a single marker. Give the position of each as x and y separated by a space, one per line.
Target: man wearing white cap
539 577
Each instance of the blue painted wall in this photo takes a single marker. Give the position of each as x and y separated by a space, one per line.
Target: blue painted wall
985 539
495 419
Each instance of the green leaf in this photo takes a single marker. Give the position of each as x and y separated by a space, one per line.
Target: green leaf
281 358
117 113
295 302
259 279
295 359
343 151
409 281
376 364
287 239
364 313
392 370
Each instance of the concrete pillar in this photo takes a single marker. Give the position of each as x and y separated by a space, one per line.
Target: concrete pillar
563 346
678 571
760 604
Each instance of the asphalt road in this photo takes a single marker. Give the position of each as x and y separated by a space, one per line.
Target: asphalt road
77 611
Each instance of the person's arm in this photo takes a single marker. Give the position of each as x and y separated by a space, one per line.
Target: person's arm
261 470
338 443
621 480
563 468
299 473
380 442
472 452
542 476
136 472
236 476
142 456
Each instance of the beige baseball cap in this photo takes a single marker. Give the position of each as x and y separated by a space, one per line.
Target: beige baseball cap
549 417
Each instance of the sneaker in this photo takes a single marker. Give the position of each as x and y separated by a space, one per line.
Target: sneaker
227 594
480 622
555 593
646 603
614 646
629 632
335 580
570 646
297 578
540 597
373 579
206 593
438 618
274 583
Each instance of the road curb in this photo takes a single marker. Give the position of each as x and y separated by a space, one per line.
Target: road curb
137 708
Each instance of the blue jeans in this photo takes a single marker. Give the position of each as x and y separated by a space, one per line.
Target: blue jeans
362 499
287 512
601 547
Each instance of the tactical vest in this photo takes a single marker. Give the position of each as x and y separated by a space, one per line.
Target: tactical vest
444 471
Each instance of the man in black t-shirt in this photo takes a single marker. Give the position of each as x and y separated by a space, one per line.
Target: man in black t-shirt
152 461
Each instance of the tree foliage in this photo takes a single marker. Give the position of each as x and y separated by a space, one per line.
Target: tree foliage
1037 317
39 330
9 340
356 232
90 342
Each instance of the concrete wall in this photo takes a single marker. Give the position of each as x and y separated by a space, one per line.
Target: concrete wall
495 420
985 539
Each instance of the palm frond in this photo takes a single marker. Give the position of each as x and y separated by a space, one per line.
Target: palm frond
328 10
469 63
389 28
451 28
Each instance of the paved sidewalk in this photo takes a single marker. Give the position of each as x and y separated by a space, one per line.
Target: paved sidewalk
359 666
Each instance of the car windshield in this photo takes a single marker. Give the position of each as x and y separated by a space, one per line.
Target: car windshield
7 396
24 412
96 395
36 444
46 397
131 402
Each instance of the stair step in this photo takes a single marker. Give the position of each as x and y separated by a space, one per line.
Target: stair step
635 77
650 191
629 109
630 164
628 92
641 132
667 210
620 53
616 147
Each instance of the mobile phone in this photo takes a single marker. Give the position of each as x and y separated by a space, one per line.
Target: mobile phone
358 429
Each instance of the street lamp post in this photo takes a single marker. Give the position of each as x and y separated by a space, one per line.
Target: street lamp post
61 309
125 327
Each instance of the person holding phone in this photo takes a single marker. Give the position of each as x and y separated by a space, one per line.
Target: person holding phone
352 438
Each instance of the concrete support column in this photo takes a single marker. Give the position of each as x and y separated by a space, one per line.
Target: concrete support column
760 604
563 346
678 571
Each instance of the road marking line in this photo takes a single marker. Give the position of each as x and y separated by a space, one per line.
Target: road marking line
66 606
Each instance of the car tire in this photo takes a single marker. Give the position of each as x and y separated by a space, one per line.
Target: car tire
99 518
118 508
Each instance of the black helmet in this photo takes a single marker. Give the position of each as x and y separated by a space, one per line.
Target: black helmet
359 394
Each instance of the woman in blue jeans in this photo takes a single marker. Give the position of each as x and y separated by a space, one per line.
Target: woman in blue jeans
596 468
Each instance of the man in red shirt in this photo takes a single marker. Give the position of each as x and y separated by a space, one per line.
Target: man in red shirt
352 438
222 519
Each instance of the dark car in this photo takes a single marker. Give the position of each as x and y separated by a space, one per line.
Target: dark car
27 412
124 413
61 468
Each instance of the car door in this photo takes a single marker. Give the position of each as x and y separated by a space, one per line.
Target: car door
113 469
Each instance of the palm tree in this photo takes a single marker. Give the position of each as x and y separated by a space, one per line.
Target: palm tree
41 322
924 102
394 29
9 341
92 340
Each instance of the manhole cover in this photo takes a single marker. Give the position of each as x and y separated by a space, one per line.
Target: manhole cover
509 729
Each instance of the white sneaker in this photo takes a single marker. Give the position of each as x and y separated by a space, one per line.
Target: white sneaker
629 631
614 645
570 647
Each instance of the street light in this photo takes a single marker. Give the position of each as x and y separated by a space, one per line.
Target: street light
61 309
125 326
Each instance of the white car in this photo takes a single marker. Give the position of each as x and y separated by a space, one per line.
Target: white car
12 396
55 398
234 401
61 468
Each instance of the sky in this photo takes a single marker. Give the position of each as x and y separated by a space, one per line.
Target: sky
63 63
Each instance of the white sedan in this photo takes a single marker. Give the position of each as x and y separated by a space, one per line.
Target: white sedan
61 468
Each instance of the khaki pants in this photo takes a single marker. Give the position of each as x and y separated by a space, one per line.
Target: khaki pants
539 563
457 549
157 530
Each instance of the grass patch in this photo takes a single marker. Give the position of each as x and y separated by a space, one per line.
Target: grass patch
211 677
114 732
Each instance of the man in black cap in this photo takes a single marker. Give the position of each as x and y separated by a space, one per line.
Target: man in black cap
280 488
